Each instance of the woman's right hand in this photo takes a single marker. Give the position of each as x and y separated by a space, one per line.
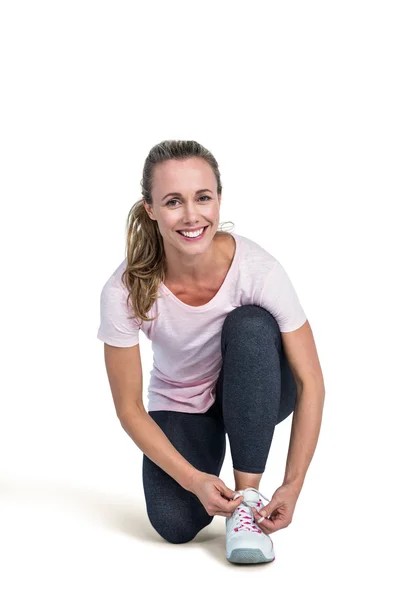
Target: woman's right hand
214 495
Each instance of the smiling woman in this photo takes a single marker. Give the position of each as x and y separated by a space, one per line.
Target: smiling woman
181 191
231 353
190 213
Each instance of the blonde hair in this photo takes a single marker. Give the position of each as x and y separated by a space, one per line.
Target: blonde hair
145 256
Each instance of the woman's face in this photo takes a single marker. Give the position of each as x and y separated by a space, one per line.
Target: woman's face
187 207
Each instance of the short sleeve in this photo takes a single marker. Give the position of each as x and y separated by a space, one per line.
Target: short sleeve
279 297
115 327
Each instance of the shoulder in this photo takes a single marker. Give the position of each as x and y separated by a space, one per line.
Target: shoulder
255 256
114 281
227 245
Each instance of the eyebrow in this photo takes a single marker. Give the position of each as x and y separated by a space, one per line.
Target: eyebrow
178 194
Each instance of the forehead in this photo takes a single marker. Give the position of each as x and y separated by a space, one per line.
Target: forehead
182 175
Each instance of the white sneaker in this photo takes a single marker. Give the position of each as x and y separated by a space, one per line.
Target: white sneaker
245 541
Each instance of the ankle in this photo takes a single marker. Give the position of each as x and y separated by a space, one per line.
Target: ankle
244 480
241 483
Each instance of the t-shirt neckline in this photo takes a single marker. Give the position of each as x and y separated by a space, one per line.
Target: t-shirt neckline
226 281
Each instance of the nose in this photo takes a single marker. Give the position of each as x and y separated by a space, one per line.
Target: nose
191 217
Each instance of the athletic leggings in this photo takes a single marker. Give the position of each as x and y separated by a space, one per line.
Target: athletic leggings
255 391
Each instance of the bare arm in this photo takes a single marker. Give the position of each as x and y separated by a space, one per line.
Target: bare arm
124 370
306 424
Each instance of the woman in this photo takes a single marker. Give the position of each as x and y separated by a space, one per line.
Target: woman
233 353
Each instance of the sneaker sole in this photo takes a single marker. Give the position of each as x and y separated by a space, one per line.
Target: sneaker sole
248 555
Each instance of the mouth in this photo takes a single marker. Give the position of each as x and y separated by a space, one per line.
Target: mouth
192 239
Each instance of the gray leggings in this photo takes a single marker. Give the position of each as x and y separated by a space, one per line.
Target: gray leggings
255 391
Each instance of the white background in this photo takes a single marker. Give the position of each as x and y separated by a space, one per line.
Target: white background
299 103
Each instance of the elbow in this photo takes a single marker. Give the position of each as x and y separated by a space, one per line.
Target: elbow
131 414
315 386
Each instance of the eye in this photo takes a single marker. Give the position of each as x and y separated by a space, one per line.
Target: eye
175 200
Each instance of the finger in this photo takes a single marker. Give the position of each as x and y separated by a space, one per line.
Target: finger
265 524
233 504
224 502
266 511
263 516
228 493
230 505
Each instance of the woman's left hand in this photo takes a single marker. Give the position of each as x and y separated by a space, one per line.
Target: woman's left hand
279 511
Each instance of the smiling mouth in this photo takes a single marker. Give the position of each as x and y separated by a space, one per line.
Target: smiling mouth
203 228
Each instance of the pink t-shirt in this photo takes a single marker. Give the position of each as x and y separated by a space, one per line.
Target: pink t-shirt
186 340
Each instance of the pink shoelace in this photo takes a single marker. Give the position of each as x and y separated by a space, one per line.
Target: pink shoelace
243 519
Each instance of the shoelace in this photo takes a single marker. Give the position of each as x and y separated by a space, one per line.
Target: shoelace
243 521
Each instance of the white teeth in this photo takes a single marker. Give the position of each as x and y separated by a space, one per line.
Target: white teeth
193 233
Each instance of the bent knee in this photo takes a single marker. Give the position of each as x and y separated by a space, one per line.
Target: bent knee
178 532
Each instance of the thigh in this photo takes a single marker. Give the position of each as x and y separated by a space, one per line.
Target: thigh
255 387
175 513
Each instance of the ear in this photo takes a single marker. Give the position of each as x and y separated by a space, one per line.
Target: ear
148 209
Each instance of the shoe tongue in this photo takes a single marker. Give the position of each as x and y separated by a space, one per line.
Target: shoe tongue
252 498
